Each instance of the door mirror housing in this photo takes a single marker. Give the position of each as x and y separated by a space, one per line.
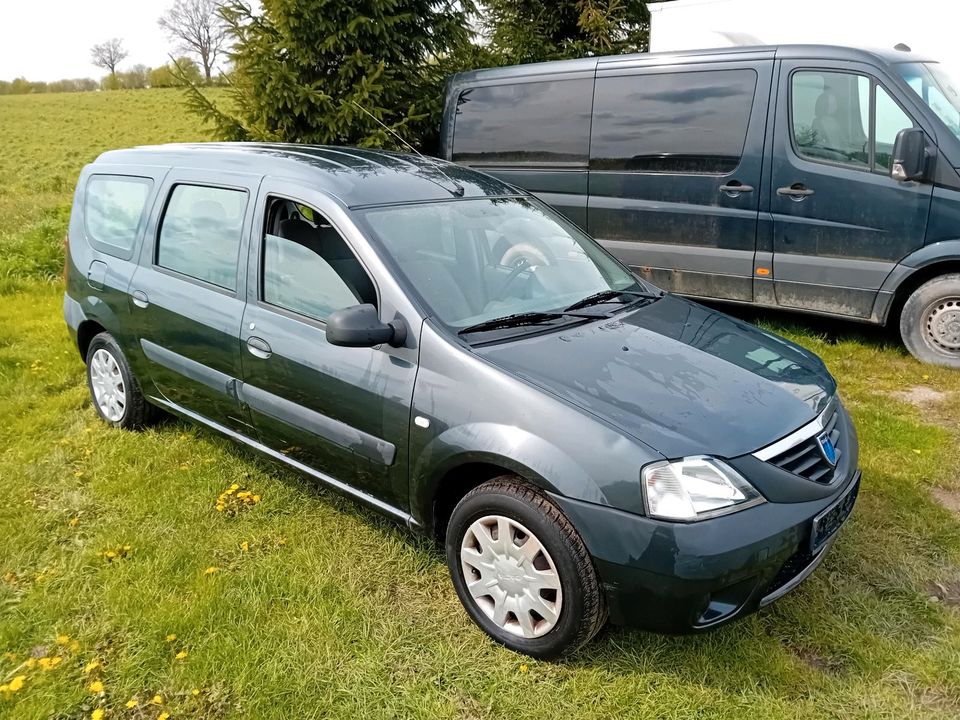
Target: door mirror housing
909 155
360 326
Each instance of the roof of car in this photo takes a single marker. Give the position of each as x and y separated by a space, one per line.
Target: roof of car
356 176
741 53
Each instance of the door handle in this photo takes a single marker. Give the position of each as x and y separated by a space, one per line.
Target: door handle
796 192
259 347
735 187
140 298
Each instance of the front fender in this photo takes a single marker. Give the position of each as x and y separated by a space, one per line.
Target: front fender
519 451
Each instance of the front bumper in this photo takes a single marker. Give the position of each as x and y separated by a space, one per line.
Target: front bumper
681 578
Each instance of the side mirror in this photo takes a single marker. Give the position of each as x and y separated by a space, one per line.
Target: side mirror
909 155
360 326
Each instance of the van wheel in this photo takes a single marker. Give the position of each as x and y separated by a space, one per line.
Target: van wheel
930 322
114 390
521 570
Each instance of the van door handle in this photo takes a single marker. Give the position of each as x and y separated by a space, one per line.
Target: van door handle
735 187
797 191
140 298
259 347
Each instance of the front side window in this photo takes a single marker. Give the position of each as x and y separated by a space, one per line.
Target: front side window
534 123
844 119
512 255
308 268
681 122
200 233
112 209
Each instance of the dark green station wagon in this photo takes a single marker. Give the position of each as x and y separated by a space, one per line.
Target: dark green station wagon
445 348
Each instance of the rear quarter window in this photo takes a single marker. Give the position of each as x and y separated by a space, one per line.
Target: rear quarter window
524 124
113 209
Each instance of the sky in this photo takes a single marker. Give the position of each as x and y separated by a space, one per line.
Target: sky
51 39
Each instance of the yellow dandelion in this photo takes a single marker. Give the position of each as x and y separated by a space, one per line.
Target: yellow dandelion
74 521
132 703
211 570
74 646
256 498
16 683
97 714
245 546
181 655
156 700
31 663
47 663
163 716
91 666
171 637
195 692
63 639
523 667
78 473
95 687
220 507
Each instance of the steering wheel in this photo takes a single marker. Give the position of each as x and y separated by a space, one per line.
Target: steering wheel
520 266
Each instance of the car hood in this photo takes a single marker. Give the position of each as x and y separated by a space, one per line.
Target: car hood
678 376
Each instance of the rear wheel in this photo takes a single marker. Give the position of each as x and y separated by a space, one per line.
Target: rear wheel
114 390
930 322
521 570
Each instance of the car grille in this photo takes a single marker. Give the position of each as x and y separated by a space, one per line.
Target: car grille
806 459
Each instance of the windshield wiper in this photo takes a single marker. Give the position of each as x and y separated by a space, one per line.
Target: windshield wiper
511 321
607 295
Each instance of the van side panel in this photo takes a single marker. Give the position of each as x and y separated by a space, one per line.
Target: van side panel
675 171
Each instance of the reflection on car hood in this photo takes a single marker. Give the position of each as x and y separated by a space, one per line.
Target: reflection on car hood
682 378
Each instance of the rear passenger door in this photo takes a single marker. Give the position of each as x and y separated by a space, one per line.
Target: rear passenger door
188 294
341 411
840 222
530 132
675 170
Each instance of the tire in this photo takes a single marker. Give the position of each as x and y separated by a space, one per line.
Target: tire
114 390
930 322
546 605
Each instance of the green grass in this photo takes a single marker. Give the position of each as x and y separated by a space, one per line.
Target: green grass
332 611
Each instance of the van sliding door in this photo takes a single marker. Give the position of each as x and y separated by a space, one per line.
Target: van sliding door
675 166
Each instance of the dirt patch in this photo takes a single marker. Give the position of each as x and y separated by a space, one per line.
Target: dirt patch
947 593
950 499
818 661
920 396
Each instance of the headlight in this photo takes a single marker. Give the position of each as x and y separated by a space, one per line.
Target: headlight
695 488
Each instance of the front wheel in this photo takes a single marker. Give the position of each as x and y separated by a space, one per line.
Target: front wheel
930 322
521 570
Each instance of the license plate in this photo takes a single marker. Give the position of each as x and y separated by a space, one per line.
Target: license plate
829 521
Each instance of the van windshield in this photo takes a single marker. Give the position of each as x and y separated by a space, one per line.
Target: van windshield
477 260
935 87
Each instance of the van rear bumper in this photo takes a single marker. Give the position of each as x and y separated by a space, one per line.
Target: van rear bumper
690 577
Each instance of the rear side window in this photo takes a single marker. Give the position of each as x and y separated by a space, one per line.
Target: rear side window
112 210
686 122
533 124
200 234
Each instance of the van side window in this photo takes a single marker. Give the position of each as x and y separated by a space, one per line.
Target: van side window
113 207
679 122
533 123
200 234
307 267
834 121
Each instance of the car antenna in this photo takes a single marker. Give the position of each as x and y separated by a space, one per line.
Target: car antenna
459 188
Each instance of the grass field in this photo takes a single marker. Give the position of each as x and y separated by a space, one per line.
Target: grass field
123 590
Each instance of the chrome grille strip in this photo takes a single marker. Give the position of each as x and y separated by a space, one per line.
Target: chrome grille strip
797 436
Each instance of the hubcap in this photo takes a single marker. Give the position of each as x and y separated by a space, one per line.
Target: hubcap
511 576
943 324
107 383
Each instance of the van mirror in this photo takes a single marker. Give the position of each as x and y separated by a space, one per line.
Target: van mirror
909 155
360 326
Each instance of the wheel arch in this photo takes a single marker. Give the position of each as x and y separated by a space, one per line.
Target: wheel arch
909 284
86 332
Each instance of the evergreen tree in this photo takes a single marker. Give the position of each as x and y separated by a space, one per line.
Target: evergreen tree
522 31
301 68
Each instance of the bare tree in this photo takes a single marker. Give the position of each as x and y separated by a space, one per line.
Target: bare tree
198 28
108 54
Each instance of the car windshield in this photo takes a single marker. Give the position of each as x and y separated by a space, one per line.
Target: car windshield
935 87
476 260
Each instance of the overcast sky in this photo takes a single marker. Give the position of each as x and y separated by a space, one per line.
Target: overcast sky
51 39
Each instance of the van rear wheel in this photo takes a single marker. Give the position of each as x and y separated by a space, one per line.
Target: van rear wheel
930 322
114 390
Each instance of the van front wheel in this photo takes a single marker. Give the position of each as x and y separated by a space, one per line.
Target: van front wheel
930 322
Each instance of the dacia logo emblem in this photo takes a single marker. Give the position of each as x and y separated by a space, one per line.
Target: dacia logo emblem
827 448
